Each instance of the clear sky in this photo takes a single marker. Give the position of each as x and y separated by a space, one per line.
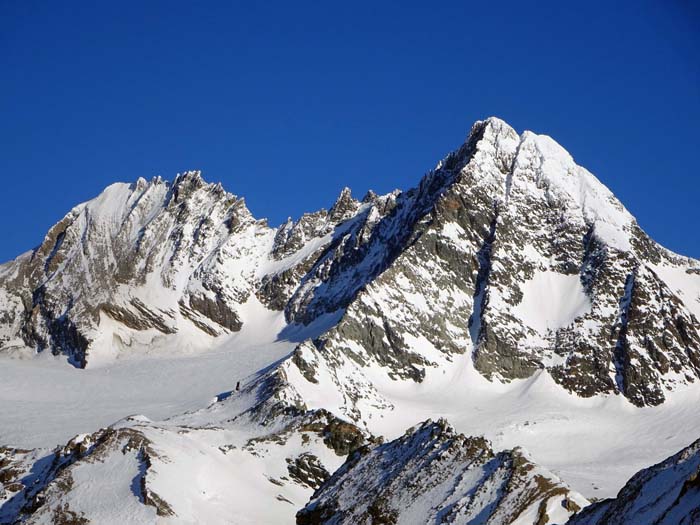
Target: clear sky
285 103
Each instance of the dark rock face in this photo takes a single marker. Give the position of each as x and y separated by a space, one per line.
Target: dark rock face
139 316
657 336
431 474
342 436
217 310
664 494
307 470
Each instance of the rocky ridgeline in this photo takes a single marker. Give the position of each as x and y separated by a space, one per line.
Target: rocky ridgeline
36 488
434 475
430 474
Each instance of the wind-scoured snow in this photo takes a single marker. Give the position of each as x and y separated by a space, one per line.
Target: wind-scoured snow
685 281
568 182
551 301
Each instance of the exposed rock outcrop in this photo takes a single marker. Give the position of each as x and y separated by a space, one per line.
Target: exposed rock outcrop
434 475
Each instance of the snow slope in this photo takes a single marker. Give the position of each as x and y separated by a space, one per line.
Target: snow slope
45 401
667 493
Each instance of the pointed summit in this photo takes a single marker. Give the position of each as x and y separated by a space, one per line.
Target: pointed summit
345 206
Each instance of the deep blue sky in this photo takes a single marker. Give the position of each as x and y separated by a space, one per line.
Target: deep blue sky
286 103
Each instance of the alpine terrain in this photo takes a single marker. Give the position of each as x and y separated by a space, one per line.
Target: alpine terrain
501 344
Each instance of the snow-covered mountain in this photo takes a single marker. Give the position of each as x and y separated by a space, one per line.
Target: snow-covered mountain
509 291
507 250
433 475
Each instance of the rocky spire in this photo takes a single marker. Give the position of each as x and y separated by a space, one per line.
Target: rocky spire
345 206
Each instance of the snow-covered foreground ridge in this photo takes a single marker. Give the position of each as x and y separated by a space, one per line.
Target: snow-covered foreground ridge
509 291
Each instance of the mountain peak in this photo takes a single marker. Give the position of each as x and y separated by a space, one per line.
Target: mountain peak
496 125
190 176
534 168
344 207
